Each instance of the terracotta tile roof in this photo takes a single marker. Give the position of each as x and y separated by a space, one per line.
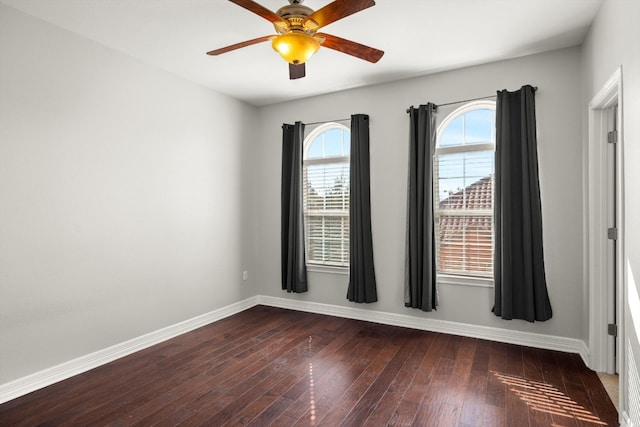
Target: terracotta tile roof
466 242
478 195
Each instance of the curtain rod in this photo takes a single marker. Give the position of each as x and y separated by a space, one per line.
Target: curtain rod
466 100
327 121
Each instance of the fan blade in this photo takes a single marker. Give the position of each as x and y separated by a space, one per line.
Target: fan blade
262 11
239 45
335 11
351 48
296 71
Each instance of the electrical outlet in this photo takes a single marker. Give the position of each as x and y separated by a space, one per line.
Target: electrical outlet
245 275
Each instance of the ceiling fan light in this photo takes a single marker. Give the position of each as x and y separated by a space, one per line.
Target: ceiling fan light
295 48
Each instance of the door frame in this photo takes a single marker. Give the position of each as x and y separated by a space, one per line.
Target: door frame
607 97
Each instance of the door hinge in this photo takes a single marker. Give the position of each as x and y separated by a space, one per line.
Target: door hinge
612 233
612 137
612 329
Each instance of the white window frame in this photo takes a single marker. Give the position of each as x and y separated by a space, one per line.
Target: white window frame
449 278
308 141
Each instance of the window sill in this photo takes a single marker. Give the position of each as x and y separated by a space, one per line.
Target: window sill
449 279
331 269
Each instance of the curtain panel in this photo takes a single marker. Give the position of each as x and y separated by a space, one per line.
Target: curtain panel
420 252
519 274
294 269
362 278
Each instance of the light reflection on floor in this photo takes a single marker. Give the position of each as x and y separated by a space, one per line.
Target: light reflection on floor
546 398
312 398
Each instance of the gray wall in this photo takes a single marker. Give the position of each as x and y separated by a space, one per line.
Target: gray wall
611 43
557 74
121 190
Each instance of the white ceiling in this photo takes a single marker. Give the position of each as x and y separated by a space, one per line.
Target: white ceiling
418 37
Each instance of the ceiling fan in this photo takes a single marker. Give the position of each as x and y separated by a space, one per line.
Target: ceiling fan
297 38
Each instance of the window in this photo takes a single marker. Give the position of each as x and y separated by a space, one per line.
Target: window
326 195
463 181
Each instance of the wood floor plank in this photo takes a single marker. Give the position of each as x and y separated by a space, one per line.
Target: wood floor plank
553 377
496 389
369 400
481 356
394 394
150 377
181 390
167 390
329 386
298 369
534 375
407 409
466 355
144 356
269 366
333 413
515 406
473 406
318 366
493 416
225 398
437 414
601 403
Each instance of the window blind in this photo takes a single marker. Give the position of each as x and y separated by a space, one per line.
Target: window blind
326 211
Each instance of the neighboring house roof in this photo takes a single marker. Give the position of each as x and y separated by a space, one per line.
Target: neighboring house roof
478 195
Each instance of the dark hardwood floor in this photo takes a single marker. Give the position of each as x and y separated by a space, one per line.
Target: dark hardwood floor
268 366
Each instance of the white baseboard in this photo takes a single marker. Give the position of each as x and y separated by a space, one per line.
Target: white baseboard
46 377
549 342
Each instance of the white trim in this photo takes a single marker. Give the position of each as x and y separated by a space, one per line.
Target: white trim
328 160
609 95
625 420
549 342
309 139
327 268
468 148
469 212
46 377
453 279
465 108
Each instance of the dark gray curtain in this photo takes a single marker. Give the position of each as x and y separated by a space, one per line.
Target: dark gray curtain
420 254
362 277
294 269
520 283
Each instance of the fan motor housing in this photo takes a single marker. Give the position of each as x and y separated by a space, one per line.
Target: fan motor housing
296 13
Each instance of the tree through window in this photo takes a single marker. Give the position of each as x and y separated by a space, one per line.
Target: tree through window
326 195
